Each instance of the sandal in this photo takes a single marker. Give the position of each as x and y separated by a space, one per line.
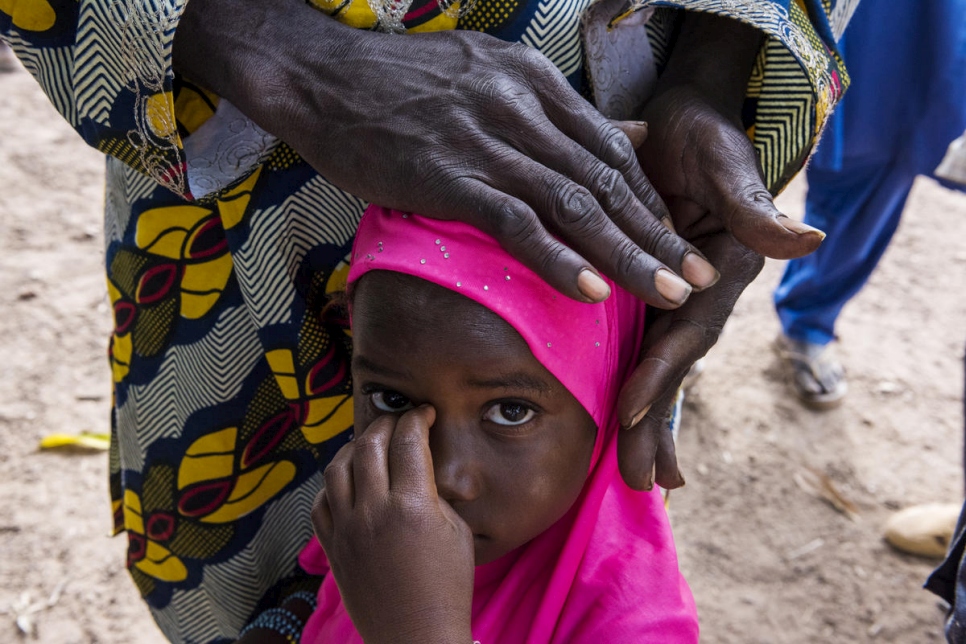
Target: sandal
815 374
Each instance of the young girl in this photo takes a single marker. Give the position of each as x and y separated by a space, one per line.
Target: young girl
488 402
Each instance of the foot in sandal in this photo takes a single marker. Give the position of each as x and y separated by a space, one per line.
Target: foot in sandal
814 372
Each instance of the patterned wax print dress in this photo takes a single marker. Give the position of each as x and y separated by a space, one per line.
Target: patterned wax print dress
228 396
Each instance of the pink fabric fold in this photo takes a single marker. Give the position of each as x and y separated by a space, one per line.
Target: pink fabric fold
606 572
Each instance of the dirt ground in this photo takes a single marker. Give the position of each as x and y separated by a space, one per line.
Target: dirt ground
768 561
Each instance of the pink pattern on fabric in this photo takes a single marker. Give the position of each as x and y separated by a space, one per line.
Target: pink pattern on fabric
607 571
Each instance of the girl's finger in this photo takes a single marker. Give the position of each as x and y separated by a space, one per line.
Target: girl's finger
322 516
410 461
370 462
338 482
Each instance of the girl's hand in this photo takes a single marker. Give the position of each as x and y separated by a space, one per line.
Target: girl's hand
402 558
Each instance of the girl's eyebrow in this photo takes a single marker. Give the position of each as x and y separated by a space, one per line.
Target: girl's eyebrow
362 363
515 380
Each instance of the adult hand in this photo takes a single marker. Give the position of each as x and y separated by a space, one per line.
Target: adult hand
455 125
402 558
700 159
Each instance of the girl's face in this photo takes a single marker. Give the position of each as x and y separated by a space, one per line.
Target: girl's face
511 446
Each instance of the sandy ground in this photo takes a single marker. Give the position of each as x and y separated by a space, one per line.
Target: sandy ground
768 561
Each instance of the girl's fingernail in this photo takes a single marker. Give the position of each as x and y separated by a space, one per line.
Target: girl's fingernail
798 227
671 287
638 417
699 271
592 286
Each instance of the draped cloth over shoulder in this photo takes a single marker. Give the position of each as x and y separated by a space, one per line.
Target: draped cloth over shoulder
607 571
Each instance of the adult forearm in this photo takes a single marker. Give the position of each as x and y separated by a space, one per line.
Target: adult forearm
247 52
715 54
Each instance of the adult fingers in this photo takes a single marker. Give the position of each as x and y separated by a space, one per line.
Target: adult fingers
645 451
571 211
516 226
581 121
674 340
338 481
635 131
613 202
735 191
410 461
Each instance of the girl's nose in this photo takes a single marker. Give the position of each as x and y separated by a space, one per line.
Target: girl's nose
455 461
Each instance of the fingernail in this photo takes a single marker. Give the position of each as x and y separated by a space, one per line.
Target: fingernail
638 417
798 227
669 224
639 133
592 286
680 482
671 287
699 271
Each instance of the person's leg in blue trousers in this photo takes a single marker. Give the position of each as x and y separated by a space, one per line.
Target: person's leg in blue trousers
905 104
859 209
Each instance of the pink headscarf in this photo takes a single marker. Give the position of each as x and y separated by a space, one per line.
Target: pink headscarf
606 572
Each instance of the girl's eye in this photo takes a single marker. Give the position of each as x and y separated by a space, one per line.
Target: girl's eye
509 413
390 401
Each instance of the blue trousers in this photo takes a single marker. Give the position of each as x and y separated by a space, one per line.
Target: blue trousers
906 103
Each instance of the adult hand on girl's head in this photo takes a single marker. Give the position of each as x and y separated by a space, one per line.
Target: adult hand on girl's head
402 558
701 160
455 125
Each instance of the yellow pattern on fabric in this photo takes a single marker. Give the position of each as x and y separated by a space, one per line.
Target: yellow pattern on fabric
212 458
353 13
192 107
252 489
489 14
327 417
204 458
174 232
158 110
202 285
282 364
158 561
283 158
29 15
122 346
233 205
122 150
442 22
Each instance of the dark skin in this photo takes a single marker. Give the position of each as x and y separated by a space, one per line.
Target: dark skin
471 449
513 150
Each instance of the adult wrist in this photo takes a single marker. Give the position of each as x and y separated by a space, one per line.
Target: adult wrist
248 52
716 55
